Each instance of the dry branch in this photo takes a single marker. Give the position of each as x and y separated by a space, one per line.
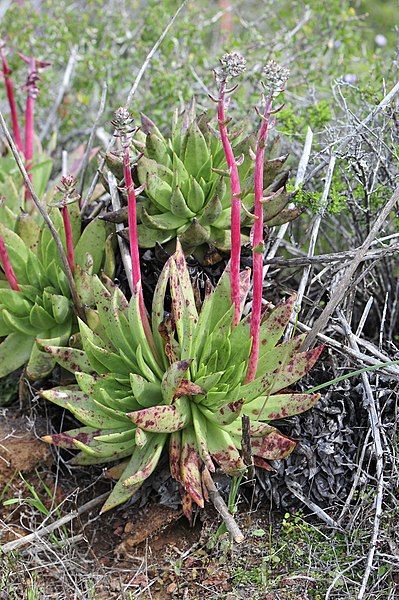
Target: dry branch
86 157
343 284
361 125
222 508
302 261
312 244
300 176
43 531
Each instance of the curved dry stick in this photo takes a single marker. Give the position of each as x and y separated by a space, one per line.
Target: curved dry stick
221 507
61 252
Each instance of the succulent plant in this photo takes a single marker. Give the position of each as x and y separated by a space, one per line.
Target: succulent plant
188 395
187 187
35 300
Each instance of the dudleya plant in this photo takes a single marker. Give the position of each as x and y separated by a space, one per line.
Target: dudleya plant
185 392
35 300
188 379
186 179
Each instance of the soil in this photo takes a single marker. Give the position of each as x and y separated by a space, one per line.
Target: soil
148 551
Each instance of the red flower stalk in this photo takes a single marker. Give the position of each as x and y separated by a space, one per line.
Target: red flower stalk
11 101
7 266
124 129
132 220
232 65
133 241
276 79
32 93
67 188
66 218
257 243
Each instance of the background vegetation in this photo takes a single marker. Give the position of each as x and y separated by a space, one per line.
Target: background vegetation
343 58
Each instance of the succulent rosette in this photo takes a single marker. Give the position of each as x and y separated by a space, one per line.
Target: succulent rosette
186 185
183 390
39 306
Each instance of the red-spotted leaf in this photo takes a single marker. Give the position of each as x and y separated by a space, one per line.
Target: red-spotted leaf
143 461
149 456
226 414
67 438
279 406
280 355
173 378
174 454
190 467
224 451
200 428
162 419
184 310
274 324
284 377
274 446
71 359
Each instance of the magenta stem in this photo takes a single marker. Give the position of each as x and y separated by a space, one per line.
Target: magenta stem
7 266
257 244
11 101
235 207
68 237
29 119
132 220
134 242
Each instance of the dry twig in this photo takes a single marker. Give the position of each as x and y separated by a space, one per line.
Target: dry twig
221 507
43 531
312 244
343 284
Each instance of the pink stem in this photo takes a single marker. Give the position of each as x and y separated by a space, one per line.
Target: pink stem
68 237
7 266
29 118
133 241
11 100
257 244
235 207
132 220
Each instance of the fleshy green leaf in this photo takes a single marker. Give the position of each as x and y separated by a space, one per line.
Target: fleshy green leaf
14 352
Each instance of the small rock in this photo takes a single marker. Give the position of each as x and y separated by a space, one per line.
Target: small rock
380 40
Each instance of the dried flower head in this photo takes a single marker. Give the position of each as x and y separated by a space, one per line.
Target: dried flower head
232 65
67 189
31 84
124 125
275 78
